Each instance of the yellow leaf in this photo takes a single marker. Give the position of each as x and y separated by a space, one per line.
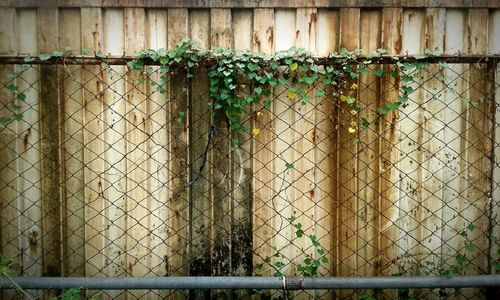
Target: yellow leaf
352 130
343 98
294 66
255 131
353 112
353 124
291 95
259 114
354 86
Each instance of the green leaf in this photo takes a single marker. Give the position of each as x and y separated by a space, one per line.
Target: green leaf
308 261
378 72
393 105
419 56
44 56
320 92
382 110
289 166
470 248
294 66
17 117
394 74
258 90
460 259
11 87
299 233
471 227
57 53
99 54
28 59
85 51
320 251
4 120
21 96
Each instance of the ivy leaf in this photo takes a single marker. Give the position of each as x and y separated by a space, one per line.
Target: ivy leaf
324 260
21 96
85 51
320 92
57 53
378 72
28 59
4 120
289 166
18 117
294 66
382 110
258 90
470 248
393 105
419 56
44 56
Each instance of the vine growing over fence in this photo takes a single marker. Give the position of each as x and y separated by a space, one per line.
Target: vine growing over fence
242 79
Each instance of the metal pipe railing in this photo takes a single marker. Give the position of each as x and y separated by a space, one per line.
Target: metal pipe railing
222 282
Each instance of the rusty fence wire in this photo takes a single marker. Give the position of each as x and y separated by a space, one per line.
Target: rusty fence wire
105 172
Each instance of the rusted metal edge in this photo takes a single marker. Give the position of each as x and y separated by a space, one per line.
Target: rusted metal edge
123 60
253 3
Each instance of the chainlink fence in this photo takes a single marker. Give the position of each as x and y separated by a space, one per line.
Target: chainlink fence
105 172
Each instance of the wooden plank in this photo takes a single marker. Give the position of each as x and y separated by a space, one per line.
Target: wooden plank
93 97
432 145
138 129
304 127
252 3
325 137
156 38
30 163
178 140
494 47
10 150
284 152
368 160
454 117
347 160
408 236
388 152
221 37
50 141
73 148
201 200
241 252
114 124
479 128
263 154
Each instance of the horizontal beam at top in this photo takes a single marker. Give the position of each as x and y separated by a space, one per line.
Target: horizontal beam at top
233 282
251 3
123 60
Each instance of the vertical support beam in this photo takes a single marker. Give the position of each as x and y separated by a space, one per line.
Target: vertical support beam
325 136
263 153
221 37
30 163
73 199
158 164
479 140
284 138
50 114
178 203
138 130
10 152
368 160
304 143
93 134
201 120
494 47
410 122
388 153
241 231
432 146
347 158
115 169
